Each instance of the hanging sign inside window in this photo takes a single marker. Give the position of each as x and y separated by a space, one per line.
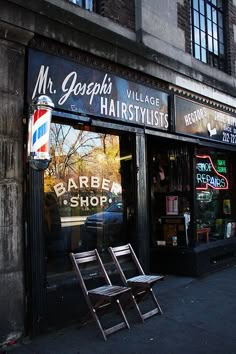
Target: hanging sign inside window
204 122
207 174
81 89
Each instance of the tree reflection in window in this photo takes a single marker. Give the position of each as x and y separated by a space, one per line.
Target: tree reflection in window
84 181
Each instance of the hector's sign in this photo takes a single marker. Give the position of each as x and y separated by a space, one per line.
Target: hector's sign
198 120
80 89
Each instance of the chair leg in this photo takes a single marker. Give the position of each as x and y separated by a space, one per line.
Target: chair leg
114 328
152 312
96 318
156 302
137 307
122 313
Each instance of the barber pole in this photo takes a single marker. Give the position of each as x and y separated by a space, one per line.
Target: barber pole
38 132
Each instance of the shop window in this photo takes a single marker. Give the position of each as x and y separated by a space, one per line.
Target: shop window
88 198
208 44
85 4
170 168
183 216
214 216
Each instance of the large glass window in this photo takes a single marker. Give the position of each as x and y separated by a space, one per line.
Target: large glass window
214 203
191 206
208 32
86 4
88 193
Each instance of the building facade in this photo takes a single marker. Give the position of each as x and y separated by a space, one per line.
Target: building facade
142 145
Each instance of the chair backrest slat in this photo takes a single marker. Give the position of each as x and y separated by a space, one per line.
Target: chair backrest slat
121 248
80 260
85 254
121 252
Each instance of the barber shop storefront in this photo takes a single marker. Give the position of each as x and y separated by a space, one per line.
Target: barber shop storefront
124 168
94 192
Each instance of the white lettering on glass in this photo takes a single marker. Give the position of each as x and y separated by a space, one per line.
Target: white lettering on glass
93 182
59 189
86 201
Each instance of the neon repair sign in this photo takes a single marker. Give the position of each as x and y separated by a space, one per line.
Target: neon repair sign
207 174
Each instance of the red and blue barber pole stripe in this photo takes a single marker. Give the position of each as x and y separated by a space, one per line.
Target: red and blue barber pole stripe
40 133
38 130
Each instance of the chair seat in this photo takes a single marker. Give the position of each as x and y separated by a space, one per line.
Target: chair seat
109 291
144 280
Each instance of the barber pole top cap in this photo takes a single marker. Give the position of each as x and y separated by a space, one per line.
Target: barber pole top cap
43 102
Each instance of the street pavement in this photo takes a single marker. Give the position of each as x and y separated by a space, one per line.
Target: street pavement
199 318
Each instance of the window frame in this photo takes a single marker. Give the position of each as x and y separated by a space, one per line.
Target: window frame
208 32
84 4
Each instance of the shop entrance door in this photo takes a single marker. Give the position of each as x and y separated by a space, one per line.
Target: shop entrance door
88 203
170 193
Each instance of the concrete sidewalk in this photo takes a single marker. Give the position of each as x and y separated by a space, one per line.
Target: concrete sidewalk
199 317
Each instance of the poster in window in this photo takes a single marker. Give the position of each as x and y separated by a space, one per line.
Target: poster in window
172 205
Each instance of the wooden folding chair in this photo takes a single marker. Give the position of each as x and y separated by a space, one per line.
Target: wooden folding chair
140 284
101 297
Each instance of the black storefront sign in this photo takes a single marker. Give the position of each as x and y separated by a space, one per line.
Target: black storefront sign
199 120
81 89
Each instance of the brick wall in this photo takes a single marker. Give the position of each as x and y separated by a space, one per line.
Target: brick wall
230 40
120 11
183 18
